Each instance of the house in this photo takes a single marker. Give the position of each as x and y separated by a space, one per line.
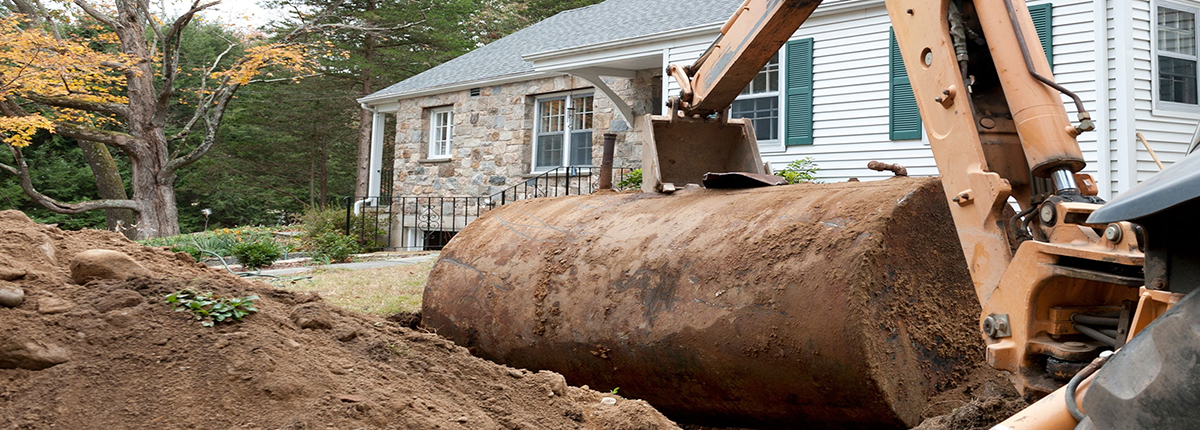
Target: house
541 98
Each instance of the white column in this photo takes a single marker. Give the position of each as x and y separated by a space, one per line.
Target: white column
1126 126
377 124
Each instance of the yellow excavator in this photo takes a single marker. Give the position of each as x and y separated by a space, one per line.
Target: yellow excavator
849 305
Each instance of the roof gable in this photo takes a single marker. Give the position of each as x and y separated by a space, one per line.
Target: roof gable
603 22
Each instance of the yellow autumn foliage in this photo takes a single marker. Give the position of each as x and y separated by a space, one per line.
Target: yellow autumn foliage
33 61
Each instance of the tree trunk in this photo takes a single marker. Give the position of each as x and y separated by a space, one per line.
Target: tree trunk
157 214
111 186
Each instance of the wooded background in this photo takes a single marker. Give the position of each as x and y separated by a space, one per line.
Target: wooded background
271 138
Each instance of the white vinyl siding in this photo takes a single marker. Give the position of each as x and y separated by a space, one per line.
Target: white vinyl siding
1169 131
441 132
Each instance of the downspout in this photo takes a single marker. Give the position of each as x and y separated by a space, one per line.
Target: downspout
1104 128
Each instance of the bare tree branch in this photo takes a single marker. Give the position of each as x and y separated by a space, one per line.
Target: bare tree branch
212 122
304 26
74 103
267 81
170 66
95 13
115 139
370 29
22 172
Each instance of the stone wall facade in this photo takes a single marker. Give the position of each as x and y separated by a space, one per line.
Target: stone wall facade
492 144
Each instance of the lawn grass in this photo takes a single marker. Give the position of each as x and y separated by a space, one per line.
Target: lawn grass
383 291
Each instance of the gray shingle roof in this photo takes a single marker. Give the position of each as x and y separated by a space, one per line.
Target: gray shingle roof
604 22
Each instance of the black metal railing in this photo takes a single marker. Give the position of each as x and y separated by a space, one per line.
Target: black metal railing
563 181
428 222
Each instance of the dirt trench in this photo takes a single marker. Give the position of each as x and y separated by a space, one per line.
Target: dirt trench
111 354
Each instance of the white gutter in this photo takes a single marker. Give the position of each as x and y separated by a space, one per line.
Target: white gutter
1104 131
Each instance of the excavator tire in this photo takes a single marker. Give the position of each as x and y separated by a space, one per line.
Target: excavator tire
803 306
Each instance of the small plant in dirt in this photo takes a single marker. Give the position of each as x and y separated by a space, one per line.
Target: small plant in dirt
334 247
802 170
257 254
631 180
211 308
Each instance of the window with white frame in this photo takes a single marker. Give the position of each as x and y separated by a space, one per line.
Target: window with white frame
760 103
441 132
1175 55
564 131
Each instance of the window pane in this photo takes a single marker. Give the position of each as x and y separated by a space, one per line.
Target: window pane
1176 31
553 116
1177 80
550 150
581 118
581 148
767 79
763 113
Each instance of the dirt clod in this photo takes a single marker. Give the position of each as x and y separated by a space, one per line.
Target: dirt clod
50 306
109 359
312 316
119 299
104 264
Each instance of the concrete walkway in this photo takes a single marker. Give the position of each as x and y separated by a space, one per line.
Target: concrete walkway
405 261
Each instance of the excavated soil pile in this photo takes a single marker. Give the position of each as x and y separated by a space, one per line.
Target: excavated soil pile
983 399
111 354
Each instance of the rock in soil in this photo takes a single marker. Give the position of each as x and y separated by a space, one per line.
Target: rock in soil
104 264
11 295
30 354
141 365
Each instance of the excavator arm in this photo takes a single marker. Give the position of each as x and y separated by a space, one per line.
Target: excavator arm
998 129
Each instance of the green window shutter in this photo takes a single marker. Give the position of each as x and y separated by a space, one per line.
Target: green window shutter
799 96
905 117
1042 20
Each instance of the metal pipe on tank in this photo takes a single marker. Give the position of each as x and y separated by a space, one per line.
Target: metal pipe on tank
606 163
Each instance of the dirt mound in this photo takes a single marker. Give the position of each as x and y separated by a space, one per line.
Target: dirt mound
980 401
125 360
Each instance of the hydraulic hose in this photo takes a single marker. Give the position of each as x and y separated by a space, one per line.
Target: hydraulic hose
1073 386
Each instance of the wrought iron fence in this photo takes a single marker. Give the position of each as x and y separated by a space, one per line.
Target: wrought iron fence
429 222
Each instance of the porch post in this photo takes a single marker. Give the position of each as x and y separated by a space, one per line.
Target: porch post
377 124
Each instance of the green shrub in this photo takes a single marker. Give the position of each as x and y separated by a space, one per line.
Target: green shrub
802 170
319 222
334 247
220 241
210 308
631 180
257 254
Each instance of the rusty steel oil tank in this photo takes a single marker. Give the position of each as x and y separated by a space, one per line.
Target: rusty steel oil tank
829 306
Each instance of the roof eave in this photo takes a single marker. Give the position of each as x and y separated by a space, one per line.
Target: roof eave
376 99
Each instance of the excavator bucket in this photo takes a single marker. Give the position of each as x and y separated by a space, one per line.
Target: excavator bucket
801 306
681 150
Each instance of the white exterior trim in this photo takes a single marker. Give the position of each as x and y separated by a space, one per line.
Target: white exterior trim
433 128
393 98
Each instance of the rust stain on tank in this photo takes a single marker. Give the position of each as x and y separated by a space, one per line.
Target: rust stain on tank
837 305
